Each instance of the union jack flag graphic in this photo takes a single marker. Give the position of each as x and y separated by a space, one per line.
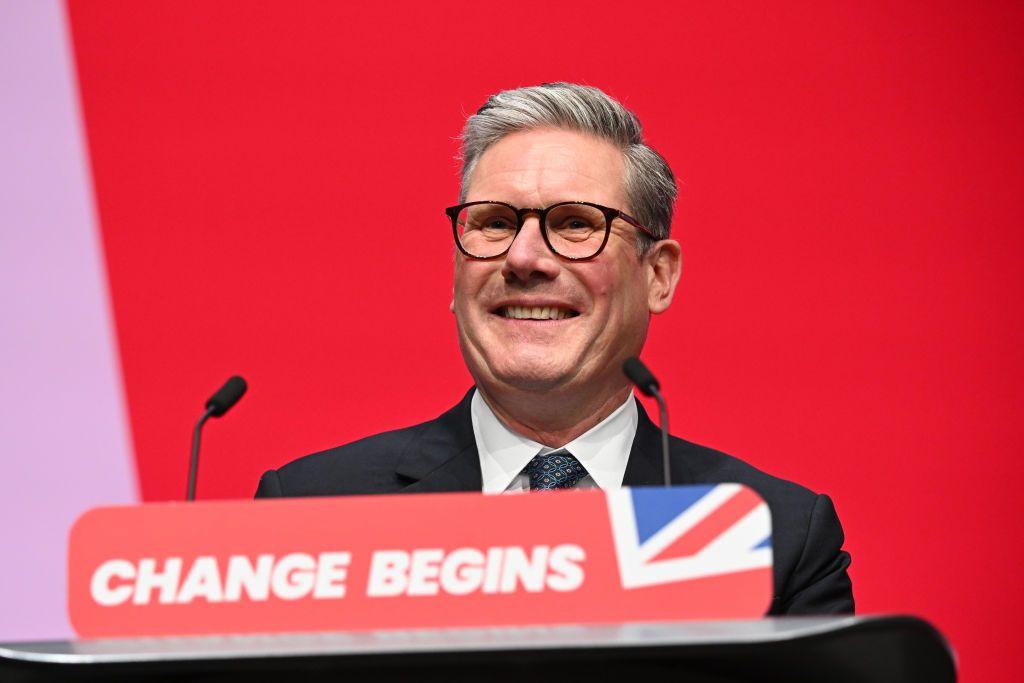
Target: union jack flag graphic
681 533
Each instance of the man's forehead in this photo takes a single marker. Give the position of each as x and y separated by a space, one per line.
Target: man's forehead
550 165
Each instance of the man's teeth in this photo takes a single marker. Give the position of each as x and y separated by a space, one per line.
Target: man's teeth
536 312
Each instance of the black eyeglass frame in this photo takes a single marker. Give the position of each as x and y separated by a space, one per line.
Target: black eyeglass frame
542 214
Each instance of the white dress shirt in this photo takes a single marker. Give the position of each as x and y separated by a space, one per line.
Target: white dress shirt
602 450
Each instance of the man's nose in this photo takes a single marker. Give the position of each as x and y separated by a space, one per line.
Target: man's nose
529 257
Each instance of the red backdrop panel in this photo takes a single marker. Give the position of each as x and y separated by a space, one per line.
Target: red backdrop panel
270 178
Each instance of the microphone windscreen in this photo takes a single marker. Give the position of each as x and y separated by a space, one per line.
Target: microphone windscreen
227 396
639 375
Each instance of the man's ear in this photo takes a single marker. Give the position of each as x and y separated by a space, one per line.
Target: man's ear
664 263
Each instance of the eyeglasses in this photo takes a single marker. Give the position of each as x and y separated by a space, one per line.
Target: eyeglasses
574 230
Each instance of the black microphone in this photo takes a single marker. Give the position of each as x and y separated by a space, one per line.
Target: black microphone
226 396
218 404
639 375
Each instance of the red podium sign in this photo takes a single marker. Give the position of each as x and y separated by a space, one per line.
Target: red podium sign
420 561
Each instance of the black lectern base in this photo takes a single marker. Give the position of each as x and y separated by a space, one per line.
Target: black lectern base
884 649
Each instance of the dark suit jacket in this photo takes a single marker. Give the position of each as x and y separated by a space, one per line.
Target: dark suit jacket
441 455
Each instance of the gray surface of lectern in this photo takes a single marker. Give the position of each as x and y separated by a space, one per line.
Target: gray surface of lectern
836 649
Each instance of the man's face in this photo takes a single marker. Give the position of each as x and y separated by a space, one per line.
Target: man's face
603 304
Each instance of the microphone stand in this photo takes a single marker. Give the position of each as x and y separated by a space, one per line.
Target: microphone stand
639 375
663 409
194 462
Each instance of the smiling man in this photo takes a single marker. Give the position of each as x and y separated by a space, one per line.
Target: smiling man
563 254
548 310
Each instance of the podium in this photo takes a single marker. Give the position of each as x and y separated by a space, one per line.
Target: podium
885 649
646 584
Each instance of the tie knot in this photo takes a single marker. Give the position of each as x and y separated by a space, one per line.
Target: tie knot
555 470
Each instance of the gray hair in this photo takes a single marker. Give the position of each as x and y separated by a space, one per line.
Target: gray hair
649 183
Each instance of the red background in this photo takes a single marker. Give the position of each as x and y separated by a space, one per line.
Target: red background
270 179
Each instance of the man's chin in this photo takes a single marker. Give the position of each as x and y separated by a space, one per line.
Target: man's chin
533 377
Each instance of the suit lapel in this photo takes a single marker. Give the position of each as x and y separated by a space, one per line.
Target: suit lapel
445 457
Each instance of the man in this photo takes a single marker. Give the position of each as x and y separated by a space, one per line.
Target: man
562 255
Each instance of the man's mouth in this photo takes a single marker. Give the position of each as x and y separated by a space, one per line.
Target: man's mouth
536 312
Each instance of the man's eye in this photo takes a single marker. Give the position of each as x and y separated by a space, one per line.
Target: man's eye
493 223
575 224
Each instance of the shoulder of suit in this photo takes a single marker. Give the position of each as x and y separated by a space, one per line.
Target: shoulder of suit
707 465
370 464
353 461
792 505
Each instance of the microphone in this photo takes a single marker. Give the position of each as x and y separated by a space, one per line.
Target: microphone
226 396
639 375
218 404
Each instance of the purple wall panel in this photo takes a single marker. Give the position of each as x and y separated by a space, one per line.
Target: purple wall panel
63 429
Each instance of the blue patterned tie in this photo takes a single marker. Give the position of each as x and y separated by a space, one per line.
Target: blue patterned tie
556 470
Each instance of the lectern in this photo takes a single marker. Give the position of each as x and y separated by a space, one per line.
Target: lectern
646 584
890 649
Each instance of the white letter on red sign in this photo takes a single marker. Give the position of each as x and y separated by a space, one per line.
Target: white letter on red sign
387 574
462 571
149 578
293 576
426 565
520 568
330 575
492 573
255 580
100 588
202 581
568 574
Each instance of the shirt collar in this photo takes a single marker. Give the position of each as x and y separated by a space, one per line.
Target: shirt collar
602 450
